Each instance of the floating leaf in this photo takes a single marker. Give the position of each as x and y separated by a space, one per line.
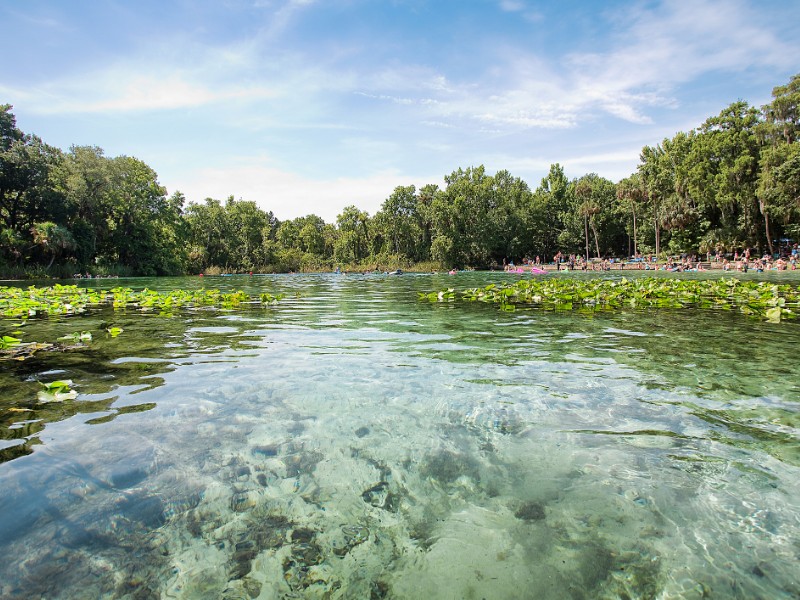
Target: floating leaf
761 299
83 336
44 396
69 299
57 391
9 342
114 331
58 385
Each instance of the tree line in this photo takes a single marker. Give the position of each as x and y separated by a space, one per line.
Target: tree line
731 183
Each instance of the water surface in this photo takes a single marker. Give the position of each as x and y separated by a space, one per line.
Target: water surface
353 442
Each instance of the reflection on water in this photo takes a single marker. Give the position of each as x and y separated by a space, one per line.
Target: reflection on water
354 443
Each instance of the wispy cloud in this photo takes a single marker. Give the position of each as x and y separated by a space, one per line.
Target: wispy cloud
114 92
517 6
614 165
283 15
512 5
654 51
309 83
289 195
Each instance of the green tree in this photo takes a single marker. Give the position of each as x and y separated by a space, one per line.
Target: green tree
399 223
551 206
246 223
352 244
630 196
140 220
510 214
587 208
724 171
778 174
209 234
27 164
85 178
52 240
470 216
657 185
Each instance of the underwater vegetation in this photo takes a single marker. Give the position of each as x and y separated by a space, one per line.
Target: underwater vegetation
69 300
771 301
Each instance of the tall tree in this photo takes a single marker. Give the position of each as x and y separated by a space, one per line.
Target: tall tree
27 164
725 159
657 184
398 215
52 240
551 206
630 195
352 244
587 209
777 179
85 178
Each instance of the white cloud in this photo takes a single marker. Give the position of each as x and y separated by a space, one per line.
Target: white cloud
658 50
290 195
614 165
654 51
283 16
113 92
394 99
512 5
516 6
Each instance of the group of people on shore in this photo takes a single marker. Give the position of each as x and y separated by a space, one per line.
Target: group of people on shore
744 262
90 276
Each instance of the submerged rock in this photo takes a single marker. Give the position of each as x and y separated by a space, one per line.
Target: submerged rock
379 496
500 419
242 501
124 476
268 450
144 509
446 467
301 462
530 511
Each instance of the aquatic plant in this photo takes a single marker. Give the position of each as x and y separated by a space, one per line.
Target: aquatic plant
9 342
772 301
70 300
57 391
77 337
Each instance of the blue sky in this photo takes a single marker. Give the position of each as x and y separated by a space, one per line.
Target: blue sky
307 106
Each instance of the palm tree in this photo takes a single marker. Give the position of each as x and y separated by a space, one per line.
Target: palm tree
630 193
583 191
52 239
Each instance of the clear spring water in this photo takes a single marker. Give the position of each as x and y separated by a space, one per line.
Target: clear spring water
353 442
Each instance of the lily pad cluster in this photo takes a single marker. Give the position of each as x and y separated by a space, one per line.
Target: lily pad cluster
70 299
23 304
771 301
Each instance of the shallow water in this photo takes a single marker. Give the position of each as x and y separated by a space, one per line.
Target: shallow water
353 442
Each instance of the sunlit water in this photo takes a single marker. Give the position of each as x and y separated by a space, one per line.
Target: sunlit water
353 442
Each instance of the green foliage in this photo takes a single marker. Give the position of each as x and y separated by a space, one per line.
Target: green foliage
71 300
57 391
9 342
79 337
770 301
57 386
732 183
